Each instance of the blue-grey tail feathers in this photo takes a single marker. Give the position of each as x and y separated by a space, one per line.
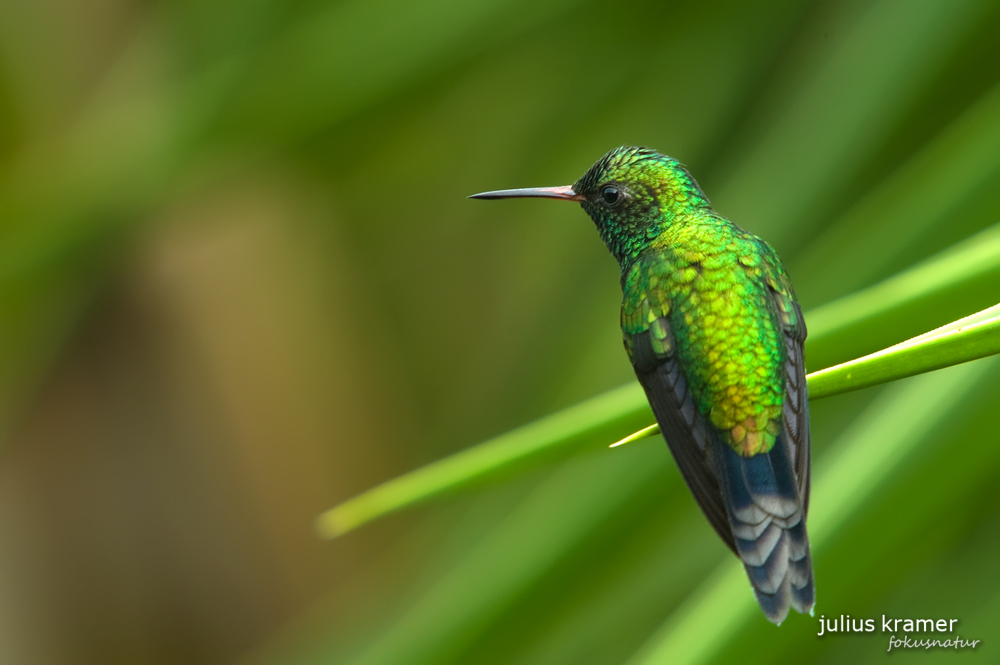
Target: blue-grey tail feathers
756 504
767 518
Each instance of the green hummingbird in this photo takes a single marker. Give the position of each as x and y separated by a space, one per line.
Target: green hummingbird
715 335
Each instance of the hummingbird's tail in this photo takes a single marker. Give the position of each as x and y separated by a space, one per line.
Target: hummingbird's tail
767 517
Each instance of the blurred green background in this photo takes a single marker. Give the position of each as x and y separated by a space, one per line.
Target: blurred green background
240 282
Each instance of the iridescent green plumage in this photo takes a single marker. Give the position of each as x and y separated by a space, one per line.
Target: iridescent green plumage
712 328
718 281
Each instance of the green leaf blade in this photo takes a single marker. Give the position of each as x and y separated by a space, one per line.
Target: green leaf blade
554 434
952 347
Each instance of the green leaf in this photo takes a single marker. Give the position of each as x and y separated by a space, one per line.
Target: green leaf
951 346
560 433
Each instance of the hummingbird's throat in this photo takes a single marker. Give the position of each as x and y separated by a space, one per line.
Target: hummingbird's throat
627 238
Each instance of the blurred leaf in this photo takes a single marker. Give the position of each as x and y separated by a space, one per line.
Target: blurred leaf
331 64
922 192
559 434
558 514
860 73
893 306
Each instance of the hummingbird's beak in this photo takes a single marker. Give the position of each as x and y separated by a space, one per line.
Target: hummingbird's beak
562 193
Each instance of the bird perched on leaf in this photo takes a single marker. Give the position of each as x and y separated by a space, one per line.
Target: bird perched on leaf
713 330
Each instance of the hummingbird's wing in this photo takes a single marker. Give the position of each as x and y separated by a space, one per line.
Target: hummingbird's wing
795 413
649 341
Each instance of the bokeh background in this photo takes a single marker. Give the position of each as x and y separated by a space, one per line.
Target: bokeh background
240 282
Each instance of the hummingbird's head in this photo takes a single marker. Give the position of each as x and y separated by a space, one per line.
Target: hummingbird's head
632 194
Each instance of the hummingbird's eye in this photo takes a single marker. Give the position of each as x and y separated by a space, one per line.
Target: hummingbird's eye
611 194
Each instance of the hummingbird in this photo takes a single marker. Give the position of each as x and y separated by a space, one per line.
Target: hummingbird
715 335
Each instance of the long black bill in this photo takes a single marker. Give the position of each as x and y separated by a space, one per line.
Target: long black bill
562 193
